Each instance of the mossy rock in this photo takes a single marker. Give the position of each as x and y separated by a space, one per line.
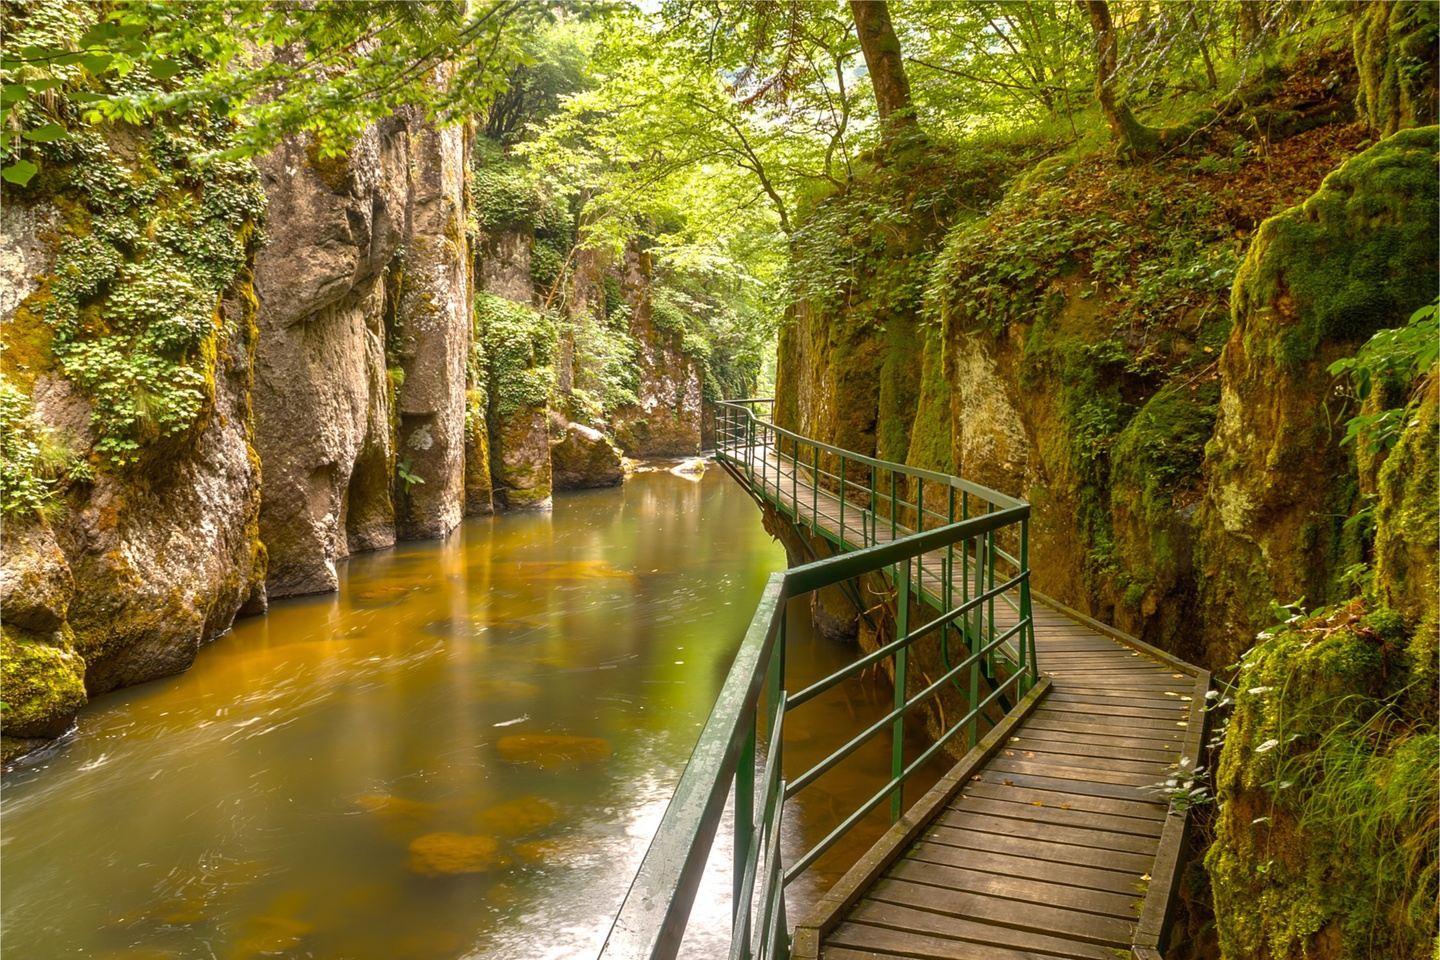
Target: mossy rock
1407 544
1357 256
1326 836
1395 53
43 686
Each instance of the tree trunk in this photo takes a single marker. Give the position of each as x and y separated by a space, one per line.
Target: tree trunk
1132 138
881 49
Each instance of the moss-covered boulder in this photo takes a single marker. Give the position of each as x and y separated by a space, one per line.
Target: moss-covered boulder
1318 280
1326 837
448 854
583 457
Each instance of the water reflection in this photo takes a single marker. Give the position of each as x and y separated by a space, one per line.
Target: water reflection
463 753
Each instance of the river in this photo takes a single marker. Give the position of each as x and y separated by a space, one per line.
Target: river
307 788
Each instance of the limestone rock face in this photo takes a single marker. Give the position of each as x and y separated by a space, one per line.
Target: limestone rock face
364 333
582 457
435 319
322 395
666 420
42 675
1319 279
163 566
520 460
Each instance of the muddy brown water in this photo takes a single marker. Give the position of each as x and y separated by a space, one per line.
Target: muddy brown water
462 753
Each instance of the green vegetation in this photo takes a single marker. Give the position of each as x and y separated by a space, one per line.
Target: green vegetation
1329 828
519 352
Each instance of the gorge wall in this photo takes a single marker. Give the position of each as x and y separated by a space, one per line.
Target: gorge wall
1144 352
218 384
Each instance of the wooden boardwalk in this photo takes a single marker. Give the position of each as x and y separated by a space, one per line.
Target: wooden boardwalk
1048 839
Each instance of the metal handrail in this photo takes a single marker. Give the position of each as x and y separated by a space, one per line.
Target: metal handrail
985 493
652 918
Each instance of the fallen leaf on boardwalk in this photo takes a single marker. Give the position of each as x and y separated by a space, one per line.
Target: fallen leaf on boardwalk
1064 806
1030 753
1037 803
1145 876
1009 783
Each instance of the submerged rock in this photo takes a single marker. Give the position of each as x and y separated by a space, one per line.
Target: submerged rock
692 468
582 457
445 854
519 817
553 751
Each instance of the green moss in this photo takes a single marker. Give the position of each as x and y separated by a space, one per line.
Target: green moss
1349 260
1395 53
1407 516
1326 838
931 446
519 349
330 164
43 686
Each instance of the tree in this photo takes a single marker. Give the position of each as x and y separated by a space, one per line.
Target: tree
881 48
275 69
1132 138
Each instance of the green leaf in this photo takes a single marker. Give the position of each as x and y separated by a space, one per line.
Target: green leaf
163 69
97 63
20 172
13 93
48 133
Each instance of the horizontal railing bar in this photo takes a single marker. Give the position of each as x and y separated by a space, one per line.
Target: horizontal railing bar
823 573
856 666
968 605
985 493
854 743
650 922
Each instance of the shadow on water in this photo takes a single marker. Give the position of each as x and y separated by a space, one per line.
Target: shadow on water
463 753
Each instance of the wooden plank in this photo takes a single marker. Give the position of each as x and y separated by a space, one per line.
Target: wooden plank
934 935
1153 710
1041 850
1088 774
1042 812
1122 905
957 817
1114 791
1072 754
1094 878
1089 927
1090 724
1065 733
1138 810
1100 696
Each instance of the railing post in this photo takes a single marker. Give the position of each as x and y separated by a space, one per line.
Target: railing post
902 658
1027 635
744 817
894 522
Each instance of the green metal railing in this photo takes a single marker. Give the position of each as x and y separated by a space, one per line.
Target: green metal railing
941 563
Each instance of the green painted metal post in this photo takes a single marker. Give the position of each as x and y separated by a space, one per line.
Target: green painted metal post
744 817
893 501
1027 636
902 658
842 509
